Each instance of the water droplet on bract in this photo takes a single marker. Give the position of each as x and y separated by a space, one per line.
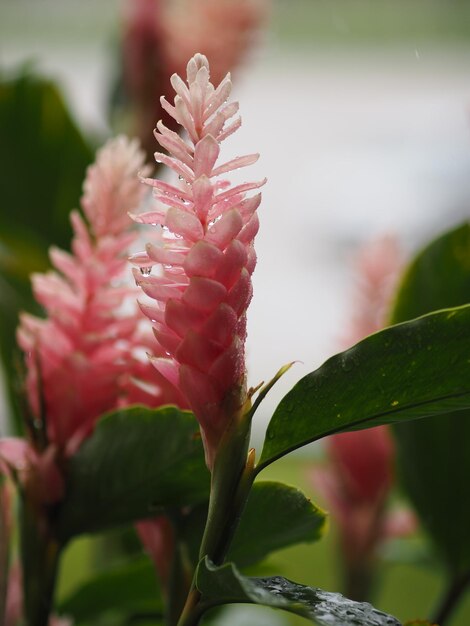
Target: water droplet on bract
146 271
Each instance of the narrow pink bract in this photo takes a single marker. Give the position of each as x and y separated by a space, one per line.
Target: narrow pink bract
208 227
81 358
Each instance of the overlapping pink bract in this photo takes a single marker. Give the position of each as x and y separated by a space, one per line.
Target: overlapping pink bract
80 358
201 295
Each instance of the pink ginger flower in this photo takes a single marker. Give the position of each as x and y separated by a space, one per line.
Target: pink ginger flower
160 35
360 475
379 266
356 486
81 355
82 359
201 295
223 30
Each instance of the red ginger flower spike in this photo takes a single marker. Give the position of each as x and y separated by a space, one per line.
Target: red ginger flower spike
81 355
204 289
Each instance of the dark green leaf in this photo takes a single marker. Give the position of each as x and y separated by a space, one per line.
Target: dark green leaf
137 462
41 143
433 454
276 516
130 589
408 371
225 585
43 159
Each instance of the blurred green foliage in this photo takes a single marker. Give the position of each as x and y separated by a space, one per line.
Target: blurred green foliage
43 157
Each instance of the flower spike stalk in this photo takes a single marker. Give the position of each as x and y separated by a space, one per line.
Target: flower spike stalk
200 296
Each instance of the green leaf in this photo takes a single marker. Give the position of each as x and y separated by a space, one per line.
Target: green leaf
225 585
137 462
433 454
42 143
130 588
276 516
408 371
44 157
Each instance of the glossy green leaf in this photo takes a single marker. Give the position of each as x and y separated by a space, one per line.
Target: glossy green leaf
128 589
137 462
225 585
434 461
276 516
44 157
40 142
411 370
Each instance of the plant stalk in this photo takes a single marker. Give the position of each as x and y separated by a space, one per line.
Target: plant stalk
231 481
40 557
451 598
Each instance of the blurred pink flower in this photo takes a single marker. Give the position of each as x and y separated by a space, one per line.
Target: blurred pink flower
14 601
379 266
161 35
356 483
204 288
83 359
356 486
82 356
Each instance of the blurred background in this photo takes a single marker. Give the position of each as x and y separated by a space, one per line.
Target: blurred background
360 110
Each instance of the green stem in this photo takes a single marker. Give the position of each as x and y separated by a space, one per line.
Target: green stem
191 614
451 598
231 481
40 556
178 586
358 581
